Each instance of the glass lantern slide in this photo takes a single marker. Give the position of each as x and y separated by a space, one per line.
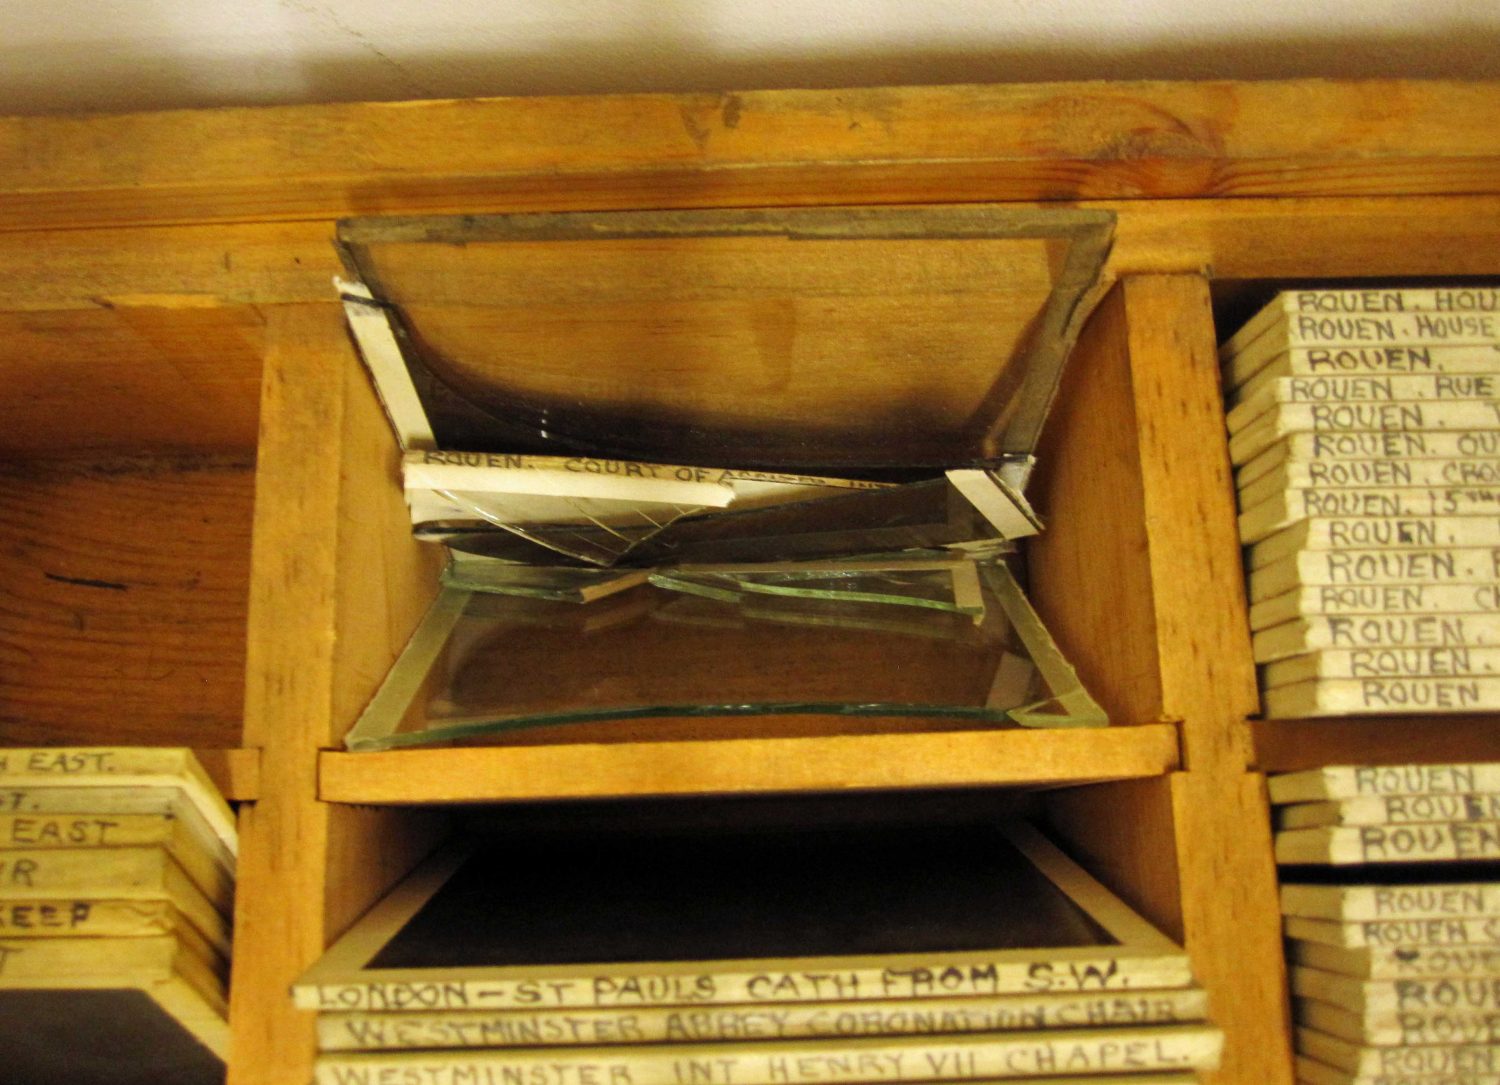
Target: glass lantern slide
914 516
887 643
592 510
830 341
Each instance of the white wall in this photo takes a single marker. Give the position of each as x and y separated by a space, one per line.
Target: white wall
110 55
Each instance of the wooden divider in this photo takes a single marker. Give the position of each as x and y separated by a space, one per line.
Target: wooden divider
328 612
1051 141
1140 580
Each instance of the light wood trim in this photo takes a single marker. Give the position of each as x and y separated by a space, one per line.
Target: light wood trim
831 763
875 145
1306 239
236 773
1232 920
198 288
1197 580
1086 891
1293 745
1206 677
306 869
1191 851
1148 552
352 952
1422 158
1088 569
284 836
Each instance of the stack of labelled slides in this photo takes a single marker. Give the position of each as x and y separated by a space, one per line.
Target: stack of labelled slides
117 870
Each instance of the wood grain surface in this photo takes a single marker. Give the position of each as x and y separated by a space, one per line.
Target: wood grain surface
748 765
1293 745
321 636
1139 578
1059 141
130 379
124 587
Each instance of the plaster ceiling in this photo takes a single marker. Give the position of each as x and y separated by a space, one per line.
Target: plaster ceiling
113 55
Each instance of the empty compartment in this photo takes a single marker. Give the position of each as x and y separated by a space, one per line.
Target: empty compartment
128 467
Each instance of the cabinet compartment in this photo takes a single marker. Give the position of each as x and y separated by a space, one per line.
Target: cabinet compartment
1102 566
195 226
1287 745
676 345
127 479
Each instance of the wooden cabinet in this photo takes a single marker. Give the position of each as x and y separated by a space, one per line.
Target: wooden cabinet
200 496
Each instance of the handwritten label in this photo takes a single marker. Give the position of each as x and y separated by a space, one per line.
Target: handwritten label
1412 779
35 832
1416 662
1380 693
1357 473
1473 993
1443 299
1383 416
1440 472
1398 532
1455 900
1357 389
1421 630
1419 808
1319 360
18 872
782 1066
1385 566
458 1072
44 915
1435 932
1467 841
731 1023
984 978
58 762
1401 598
1387 504
1447 1028
1395 445
581 465
1429 1060
1429 327
1418 960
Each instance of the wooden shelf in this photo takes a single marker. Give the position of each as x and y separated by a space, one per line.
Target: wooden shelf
1045 141
824 763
